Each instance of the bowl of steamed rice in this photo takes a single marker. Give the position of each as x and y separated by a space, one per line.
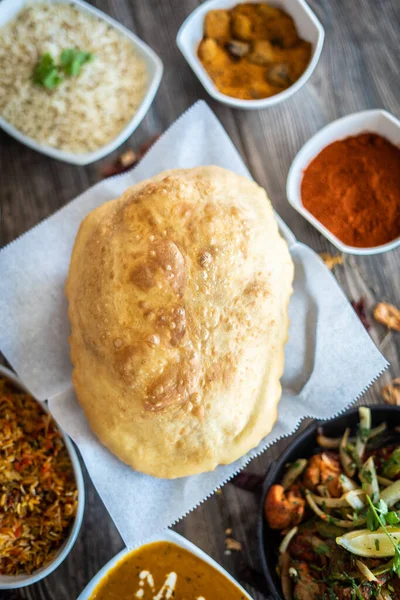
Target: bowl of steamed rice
42 492
74 83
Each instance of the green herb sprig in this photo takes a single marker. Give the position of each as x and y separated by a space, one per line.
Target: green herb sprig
72 61
48 74
379 514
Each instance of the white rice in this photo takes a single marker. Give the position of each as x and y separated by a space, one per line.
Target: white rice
85 112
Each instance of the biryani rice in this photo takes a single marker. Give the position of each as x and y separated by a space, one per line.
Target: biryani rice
38 493
84 112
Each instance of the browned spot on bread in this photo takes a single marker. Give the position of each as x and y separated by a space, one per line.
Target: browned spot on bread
170 259
143 277
222 371
178 325
205 259
165 390
125 360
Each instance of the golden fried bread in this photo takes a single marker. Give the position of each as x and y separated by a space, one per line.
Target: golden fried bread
178 301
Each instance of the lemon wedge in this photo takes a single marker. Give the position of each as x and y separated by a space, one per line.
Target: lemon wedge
370 544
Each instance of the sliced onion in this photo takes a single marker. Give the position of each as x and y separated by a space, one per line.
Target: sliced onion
323 491
293 472
368 476
368 575
284 563
330 502
287 539
365 571
391 494
354 498
331 443
328 518
347 483
364 430
377 430
347 462
384 481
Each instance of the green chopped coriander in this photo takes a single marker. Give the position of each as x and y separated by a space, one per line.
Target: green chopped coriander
364 433
380 512
392 518
376 541
392 465
322 549
48 74
367 475
73 60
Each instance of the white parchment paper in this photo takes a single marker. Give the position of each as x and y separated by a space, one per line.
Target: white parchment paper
330 358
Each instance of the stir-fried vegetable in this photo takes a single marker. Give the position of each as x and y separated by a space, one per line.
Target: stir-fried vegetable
293 472
369 479
392 467
287 539
344 543
348 465
347 524
364 430
391 494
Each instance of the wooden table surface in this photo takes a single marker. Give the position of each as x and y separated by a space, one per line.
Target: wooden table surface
358 70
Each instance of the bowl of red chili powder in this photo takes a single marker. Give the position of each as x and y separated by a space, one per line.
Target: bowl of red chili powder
346 182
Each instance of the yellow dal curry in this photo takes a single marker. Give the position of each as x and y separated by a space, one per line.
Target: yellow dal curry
160 571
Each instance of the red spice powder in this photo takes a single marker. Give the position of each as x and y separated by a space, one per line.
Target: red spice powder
353 188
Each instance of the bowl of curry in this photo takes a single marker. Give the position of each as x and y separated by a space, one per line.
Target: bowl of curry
252 55
168 566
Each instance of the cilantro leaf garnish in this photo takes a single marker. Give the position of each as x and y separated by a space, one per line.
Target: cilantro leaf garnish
380 513
73 60
392 466
392 518
322 549
384 517
48 74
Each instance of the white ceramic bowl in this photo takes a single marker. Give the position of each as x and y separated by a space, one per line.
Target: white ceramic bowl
8 582
8 11
166 536
191 33
376 121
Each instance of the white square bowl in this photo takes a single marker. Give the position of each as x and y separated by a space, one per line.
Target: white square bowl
8 11
374 121
191 33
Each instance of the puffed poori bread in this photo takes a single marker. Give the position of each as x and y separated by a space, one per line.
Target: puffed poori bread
178 301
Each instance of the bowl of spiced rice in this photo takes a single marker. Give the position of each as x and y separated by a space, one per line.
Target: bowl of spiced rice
42 493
